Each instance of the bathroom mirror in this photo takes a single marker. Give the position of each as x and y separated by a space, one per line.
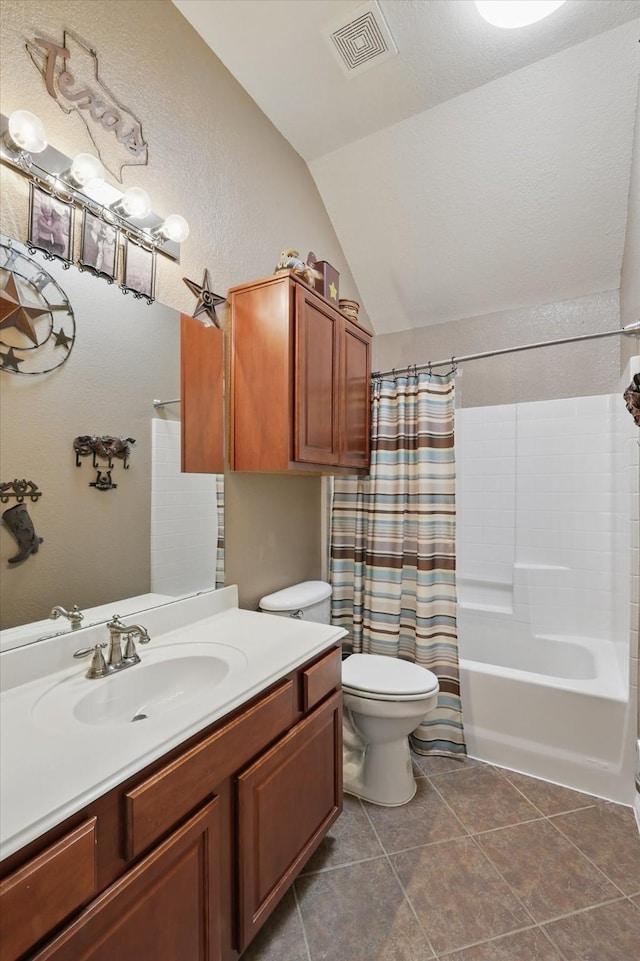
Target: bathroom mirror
89 360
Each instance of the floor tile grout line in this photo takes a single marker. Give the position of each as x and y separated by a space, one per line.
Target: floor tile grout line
499 937
589 859
596 904
302 924
401 886
343 864
504 772
446 803
468 830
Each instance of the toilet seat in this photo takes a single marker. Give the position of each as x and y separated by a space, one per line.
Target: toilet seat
383 678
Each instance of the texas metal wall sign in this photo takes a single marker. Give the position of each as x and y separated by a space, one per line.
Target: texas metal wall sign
77 87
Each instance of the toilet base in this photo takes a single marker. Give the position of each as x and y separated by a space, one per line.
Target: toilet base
378 773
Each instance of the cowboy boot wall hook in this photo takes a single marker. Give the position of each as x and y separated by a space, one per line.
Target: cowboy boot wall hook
21 526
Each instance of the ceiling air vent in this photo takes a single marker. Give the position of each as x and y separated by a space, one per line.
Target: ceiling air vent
362 40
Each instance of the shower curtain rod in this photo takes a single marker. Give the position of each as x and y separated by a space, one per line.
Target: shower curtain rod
630 330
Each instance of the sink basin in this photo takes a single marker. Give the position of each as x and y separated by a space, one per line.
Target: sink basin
167 680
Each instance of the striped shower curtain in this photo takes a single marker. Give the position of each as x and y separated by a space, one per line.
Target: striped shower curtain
393 545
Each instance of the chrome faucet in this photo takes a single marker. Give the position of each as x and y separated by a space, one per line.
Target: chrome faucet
75 617
117 659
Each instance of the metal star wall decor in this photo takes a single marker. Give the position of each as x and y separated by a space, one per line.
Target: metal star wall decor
207 300
32 304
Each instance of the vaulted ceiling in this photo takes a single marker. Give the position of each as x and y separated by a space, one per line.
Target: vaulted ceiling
477 170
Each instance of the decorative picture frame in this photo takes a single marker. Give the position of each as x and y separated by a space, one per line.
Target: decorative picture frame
100 243
139 269
50 224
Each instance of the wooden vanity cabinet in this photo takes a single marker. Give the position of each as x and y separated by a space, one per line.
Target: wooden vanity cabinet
166 907
300 381
185 860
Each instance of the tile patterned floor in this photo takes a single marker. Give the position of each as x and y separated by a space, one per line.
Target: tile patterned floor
482 865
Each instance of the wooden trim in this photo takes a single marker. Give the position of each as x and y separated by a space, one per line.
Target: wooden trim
47 889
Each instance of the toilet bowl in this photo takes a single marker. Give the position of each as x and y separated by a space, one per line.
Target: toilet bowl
385 699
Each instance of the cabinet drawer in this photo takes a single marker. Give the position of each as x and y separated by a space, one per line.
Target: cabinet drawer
163 799
40 894
321 678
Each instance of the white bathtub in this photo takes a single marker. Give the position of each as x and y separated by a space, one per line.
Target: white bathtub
553 707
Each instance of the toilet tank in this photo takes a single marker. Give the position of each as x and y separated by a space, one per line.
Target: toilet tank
308 601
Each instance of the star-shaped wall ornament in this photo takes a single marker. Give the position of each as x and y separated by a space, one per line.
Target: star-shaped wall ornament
14 313
207 300
61 339
9 360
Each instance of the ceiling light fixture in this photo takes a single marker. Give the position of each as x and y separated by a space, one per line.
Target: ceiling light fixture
509 14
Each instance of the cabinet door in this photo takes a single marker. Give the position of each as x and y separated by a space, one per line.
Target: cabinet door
202 396
316 377
355 402
167 907
287 800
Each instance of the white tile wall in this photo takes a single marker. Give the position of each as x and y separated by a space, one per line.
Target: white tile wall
543 515
184 518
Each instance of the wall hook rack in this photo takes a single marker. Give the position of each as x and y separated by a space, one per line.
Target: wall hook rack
103 448
19 489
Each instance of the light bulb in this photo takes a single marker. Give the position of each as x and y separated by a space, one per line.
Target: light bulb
509 14
27 131
135 202
86 171
174 228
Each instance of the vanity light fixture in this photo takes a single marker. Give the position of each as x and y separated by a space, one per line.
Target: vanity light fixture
85 171
25 133
510 14
135 202
24 148
174 228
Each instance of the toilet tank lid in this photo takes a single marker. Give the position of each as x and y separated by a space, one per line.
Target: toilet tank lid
296 597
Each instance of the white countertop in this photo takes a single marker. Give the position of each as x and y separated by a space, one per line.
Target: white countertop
50 771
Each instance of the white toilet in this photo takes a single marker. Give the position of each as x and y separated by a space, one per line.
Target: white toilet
384 699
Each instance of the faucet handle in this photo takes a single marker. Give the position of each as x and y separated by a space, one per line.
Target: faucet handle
98 666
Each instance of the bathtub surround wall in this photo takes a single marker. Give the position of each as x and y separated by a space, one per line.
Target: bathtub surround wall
544 499
184 518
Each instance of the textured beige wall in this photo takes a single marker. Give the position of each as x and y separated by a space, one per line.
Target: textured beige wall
630 282
570 370
215 158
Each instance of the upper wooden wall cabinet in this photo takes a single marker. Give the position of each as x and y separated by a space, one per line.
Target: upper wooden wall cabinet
300 375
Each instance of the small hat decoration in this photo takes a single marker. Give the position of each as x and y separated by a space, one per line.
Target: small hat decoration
290 259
